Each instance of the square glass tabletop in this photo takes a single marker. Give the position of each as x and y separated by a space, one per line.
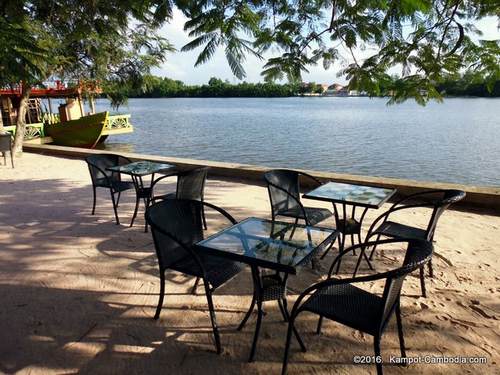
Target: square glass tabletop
358 195
141 168
275 246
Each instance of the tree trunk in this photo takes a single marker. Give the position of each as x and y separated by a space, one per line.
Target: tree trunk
2 130
21 120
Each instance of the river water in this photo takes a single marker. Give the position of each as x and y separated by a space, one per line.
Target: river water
455 141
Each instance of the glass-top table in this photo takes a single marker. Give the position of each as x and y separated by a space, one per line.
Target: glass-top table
137 170
141 168
351 194
354 195
278 246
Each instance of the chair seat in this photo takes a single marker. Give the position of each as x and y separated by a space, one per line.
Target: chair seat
117 185
348 305
402 231
218 270
273 288
166 196
314 214
352 226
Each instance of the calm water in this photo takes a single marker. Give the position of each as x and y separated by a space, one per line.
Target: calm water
457 141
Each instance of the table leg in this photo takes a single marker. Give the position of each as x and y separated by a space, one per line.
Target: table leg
137 198
258 299
257 282
147 202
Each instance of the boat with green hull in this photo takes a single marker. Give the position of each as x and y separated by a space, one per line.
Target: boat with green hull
66 126
84 132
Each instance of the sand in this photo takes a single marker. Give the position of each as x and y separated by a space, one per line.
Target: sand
78 292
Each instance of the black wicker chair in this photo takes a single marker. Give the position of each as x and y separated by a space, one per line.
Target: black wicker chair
176 226
103 178
6 146
437 200
190 185
283 186
340 301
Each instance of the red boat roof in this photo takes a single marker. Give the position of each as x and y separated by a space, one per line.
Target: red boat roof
59 91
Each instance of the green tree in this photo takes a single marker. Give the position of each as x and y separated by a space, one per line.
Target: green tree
114 43
425 40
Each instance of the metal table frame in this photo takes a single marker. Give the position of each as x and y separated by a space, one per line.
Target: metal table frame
141 191
272 286
341 222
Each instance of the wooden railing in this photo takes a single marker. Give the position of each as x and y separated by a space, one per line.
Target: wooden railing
118 122
31 131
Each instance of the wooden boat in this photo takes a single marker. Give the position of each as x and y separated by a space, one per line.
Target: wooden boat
42 123
84 132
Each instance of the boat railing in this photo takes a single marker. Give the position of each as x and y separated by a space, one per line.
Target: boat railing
31 131
118 122
50 118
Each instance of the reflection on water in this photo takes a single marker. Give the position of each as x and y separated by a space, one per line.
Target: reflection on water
457 141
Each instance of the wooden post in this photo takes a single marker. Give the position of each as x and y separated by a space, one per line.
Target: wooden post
92 104
80 101
1 116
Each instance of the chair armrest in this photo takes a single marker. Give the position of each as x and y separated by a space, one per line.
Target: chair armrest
362 246
127 160
391 210
332 281
222 212
416 195
171 174
311 177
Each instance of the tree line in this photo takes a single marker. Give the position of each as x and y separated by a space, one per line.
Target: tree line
163 87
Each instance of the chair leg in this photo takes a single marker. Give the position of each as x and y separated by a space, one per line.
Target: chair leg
285 309
283 313
4 158
118 199
204 219
257 331
431 270
376 344
162 294
11 159
287 346
422 281
400 331
137 200
320 323
374 247
94 199
328 249
294 227
114 207
212 317
193 289
249 312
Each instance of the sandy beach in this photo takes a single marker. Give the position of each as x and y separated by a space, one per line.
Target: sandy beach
78 292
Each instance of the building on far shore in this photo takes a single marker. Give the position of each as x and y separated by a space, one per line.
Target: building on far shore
337 89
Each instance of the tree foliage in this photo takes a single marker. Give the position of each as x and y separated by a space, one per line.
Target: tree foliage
469 84
162 87
109 42
424 40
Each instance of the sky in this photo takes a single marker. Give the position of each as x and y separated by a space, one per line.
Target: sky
180 65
